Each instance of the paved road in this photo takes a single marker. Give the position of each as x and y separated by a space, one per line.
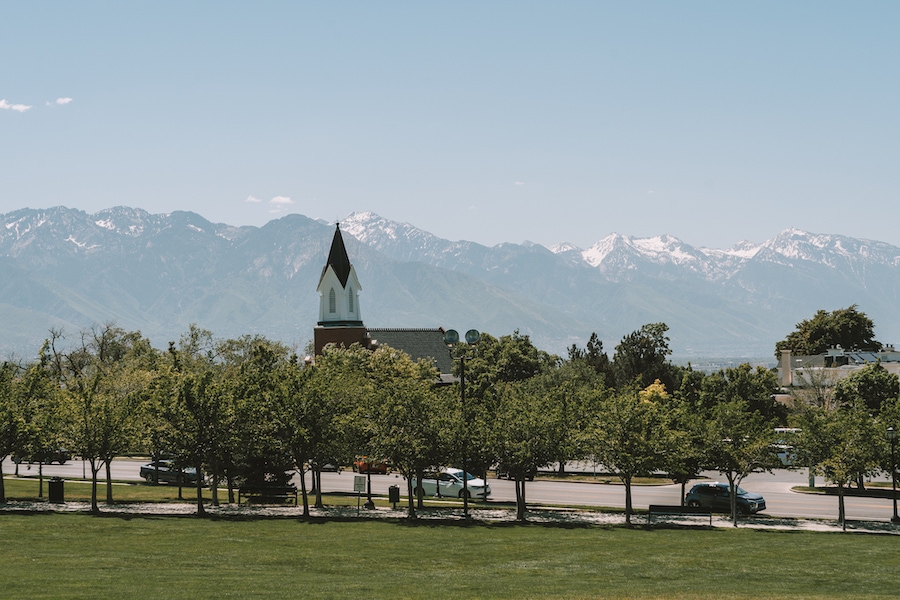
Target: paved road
776 488
123 469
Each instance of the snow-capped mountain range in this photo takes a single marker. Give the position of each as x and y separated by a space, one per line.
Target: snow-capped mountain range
616 254
158 273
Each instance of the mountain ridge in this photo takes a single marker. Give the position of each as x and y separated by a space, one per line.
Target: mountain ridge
161 272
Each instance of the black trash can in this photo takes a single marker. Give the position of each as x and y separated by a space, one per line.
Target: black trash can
394 494
56 490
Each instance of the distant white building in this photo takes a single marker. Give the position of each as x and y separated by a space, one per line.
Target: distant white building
833 365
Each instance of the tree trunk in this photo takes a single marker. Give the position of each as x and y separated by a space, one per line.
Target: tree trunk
214 483
317 481
628 508
411 512
2 486
842 515
420 490
520 498
683 487
303 491
201 511
109 495
95 468
732 499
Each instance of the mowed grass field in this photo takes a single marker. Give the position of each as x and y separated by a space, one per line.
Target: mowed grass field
50 555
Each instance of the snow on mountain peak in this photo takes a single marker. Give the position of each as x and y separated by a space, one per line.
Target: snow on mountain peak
564 247
666 248
660 249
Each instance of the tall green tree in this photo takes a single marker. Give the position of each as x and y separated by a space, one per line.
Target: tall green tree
843 445
595 357
38 397
740 442
261 452
336 409
577 390
632 436
101 379
755 386
846 327
292 418
197 410
196 405
13 426
524 435
492 361
643 355
870 388
687 456
403 407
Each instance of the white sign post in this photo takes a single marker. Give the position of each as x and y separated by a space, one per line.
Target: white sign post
359 486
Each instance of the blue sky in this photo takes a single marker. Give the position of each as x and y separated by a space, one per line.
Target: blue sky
486 121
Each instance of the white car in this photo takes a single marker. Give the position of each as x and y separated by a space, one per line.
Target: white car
450 483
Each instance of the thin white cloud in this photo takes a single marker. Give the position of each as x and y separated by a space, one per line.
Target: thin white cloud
16 107
281 200
253 200
63 100
520 183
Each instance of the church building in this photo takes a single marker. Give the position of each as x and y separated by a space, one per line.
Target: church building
340 318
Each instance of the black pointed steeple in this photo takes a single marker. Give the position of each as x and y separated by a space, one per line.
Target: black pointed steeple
338 258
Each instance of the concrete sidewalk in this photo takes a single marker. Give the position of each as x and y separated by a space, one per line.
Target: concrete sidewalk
488 515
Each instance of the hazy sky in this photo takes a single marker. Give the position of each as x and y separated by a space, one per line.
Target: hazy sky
485 121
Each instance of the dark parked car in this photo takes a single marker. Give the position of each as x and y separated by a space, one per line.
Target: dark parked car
715 495
48 457
502 473
166 472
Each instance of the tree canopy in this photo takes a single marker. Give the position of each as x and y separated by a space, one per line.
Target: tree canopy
848 328
870 387
249 412
643 354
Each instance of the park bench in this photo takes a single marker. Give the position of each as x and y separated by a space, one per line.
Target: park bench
676 509
268 494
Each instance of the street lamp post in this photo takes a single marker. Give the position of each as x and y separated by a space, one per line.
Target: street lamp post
370 504
451 338
892 436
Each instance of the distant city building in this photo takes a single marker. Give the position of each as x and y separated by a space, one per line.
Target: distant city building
829 367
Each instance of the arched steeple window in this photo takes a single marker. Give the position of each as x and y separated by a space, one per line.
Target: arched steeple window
332 301
350 298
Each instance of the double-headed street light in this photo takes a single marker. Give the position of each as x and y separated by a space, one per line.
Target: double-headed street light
451 338
892 436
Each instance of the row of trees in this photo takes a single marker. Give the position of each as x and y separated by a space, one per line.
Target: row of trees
249 411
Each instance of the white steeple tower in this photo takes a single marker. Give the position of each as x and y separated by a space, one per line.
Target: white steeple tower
340 318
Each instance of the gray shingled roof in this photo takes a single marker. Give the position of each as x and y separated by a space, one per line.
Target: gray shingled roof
418 343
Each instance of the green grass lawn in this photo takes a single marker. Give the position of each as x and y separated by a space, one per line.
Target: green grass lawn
29 488
78 490
47 555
